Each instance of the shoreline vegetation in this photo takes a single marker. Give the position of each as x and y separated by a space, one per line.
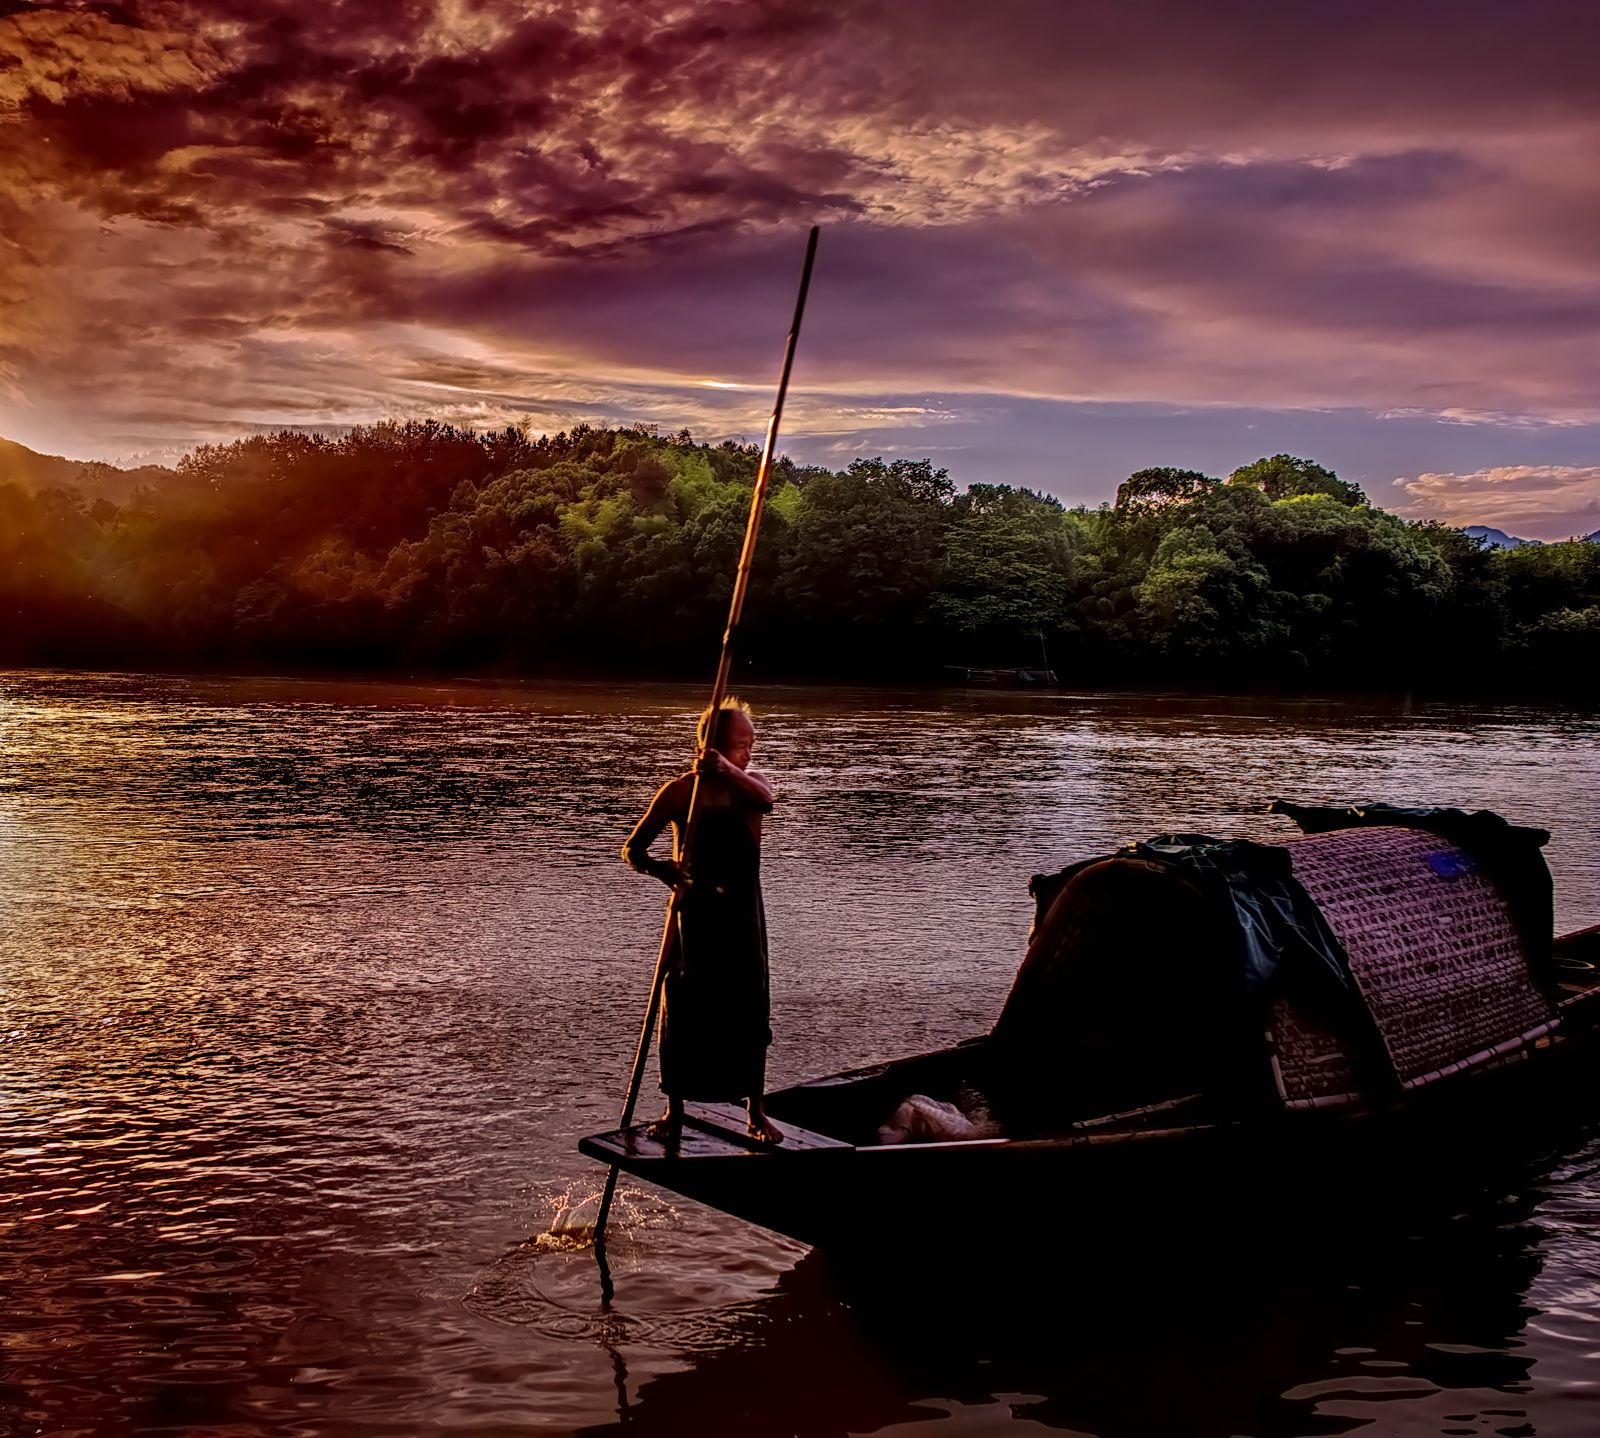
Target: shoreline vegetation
609 552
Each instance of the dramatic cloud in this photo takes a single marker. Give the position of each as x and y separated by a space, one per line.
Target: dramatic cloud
1533 502
225 214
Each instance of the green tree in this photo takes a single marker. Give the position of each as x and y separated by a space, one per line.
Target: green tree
1283 476
866 546
613 549
1162 488
1231 583
53 604
1542 579
1009 565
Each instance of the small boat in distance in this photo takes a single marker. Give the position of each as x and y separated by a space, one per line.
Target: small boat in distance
1200 1029
1002 678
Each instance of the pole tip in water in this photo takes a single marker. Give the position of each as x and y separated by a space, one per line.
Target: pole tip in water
578 1221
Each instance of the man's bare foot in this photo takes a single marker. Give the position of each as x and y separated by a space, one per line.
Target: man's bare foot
760 1126
669 1127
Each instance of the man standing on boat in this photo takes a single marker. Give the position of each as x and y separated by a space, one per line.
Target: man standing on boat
715 1020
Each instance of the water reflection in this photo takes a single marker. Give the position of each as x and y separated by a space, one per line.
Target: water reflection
1201 1353
307 989
1437 1312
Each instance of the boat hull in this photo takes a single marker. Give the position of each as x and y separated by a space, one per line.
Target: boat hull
1180 1186
1335 1169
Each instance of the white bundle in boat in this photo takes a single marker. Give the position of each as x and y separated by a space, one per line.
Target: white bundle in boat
921 1119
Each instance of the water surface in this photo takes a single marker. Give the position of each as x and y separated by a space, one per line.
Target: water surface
307 990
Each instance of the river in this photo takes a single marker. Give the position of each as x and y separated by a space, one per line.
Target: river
309 987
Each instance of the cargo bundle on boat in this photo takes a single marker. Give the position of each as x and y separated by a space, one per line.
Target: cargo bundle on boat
1229 1014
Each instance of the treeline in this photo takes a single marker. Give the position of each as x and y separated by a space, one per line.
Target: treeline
612 551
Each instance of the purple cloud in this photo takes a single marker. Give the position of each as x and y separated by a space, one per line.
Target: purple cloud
222 214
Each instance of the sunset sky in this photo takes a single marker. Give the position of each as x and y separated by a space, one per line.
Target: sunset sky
1062 240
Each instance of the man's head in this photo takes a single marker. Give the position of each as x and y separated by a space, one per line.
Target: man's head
729 730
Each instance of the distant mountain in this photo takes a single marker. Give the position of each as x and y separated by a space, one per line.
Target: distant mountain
34 471
1497 538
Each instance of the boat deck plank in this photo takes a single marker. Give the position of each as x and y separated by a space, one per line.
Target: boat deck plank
637 1143
728 1120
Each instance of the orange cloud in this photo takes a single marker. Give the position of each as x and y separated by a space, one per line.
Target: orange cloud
57 56
1532 501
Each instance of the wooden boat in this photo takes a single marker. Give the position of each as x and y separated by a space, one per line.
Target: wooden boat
1123 1088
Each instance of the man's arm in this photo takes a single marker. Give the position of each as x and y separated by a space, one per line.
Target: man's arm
753 788
670 803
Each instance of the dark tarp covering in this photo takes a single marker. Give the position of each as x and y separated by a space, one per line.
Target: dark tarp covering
1509 854
1279 923
1281 944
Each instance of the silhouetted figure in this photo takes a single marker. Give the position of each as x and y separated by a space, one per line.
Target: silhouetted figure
714 1020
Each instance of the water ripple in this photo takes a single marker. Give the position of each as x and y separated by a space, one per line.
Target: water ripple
308 988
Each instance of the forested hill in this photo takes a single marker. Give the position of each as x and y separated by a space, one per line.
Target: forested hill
611 551
33 471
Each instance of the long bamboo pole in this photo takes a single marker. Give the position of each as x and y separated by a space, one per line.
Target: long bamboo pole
719 692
